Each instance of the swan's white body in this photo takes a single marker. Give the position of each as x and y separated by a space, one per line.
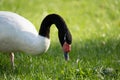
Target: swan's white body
19 34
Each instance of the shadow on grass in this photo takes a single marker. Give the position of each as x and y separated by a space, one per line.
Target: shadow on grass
100 55
91 53
96 47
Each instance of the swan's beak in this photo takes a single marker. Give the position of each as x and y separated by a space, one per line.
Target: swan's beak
66 55
66 49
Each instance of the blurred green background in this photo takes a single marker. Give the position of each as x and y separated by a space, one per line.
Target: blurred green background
95 27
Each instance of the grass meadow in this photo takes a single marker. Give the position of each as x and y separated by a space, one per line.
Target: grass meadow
95 55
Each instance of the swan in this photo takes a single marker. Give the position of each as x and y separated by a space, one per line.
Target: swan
17 34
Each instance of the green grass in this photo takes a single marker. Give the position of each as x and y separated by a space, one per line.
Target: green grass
95 55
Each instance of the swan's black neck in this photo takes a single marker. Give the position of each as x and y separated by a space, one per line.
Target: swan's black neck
63 32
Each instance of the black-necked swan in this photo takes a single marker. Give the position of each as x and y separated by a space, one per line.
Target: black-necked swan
17 34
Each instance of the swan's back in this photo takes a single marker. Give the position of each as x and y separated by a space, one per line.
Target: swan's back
14 22
15 32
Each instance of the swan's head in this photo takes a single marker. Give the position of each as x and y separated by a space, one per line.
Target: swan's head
66 41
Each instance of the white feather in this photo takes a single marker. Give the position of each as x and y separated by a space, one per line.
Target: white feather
19 34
